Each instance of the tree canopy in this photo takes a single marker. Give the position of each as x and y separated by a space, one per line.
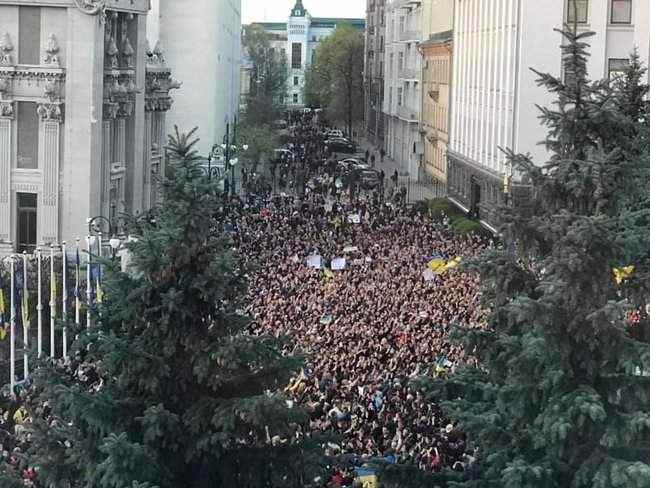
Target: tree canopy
335 78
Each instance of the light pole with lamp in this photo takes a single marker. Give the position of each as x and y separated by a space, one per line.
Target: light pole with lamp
230 149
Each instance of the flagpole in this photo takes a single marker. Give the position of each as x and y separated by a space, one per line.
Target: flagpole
77 304
25 315
64 309
39 307
89 293
52 303
12 338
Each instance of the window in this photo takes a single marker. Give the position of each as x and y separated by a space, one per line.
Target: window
295 81
27 119
617 67
399 97
284 52
579 8
295 98
29 35
621 12
26 222
296 55
313 38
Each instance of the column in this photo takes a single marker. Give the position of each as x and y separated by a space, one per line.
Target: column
146 155
48 159
6 118
107 161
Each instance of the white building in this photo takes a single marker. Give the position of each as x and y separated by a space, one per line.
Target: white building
82 106
403 83
298 39
201 39
494 93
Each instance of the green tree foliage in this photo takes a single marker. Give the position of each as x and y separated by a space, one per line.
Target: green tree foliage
261 139
561 398
174 392
335 79
265 102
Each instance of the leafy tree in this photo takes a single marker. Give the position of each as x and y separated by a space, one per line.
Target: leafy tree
268 84
562 394
261 139
170 390
335 79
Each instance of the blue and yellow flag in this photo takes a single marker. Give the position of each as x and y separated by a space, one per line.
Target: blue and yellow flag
24 308
3 305
53 291
622 274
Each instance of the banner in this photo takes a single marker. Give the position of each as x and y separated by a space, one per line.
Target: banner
354 218
428 275
338 264
315 261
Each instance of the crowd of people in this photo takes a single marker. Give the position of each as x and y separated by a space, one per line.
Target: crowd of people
368 329
344 276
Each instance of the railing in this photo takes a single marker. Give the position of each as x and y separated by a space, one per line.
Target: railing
410 35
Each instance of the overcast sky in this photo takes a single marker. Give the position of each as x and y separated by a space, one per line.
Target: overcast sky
278 10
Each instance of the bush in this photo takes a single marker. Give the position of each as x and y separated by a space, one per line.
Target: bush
466 226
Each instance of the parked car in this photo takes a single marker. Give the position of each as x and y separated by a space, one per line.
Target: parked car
333 133
369 179
339 144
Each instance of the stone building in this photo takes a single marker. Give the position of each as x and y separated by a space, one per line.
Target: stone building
298 39
494 93
83 102
403 83
202 39
374 70
437 59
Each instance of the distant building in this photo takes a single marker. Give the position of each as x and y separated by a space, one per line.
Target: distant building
494 93
298 39
374 70
202 40
83 102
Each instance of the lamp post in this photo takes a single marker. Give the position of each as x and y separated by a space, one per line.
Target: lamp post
230 149
114 242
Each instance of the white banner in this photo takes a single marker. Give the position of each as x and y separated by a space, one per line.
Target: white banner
315 261
338 264
354 218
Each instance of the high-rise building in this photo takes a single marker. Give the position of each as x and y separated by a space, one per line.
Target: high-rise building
403 83
374 70
494 93
298 39
202 43
82 106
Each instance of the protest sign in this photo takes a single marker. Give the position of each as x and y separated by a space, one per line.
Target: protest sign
354 218
338 264
349 249
315 261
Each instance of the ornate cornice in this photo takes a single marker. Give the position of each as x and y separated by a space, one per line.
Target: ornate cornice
7 110
50 111
91 7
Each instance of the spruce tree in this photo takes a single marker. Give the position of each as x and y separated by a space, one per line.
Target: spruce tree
562 393
170 390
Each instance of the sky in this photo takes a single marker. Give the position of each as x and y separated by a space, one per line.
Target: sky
278 10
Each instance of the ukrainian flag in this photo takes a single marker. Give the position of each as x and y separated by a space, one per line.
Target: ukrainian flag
622 274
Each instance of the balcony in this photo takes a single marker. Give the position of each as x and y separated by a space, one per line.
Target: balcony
408 74
407 113
410 36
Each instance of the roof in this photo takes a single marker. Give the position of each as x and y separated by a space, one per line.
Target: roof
280 26
438 38
333 22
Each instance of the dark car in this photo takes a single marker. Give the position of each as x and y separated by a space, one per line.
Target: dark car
369 179
339 144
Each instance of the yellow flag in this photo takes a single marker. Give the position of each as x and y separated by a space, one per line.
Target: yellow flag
3 332
436 264
25 308
328 273
622 274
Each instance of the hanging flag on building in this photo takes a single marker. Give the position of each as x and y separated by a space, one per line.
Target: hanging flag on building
3 305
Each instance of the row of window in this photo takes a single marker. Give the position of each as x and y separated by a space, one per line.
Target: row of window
620 11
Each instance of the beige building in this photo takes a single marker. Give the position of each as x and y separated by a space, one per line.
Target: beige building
436 85
436 50
82 115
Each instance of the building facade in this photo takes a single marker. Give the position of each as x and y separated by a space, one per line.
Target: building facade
82 104
374 70
403 84
437 62
298 39
203 39
494 93
436 82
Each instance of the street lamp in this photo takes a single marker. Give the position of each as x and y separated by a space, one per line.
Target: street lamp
230 149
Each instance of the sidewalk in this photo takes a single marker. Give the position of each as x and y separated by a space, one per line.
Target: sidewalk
416 190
